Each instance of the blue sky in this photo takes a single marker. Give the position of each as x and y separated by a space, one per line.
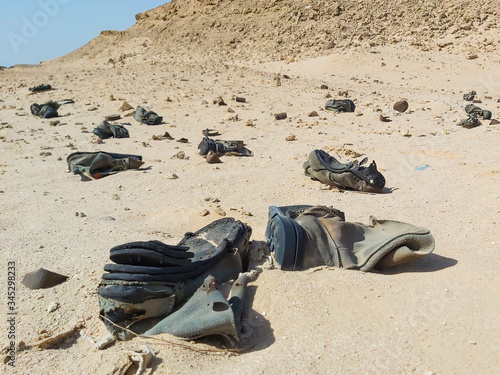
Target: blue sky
36 30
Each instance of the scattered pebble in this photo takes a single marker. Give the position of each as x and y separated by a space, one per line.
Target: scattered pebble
53 307
291 138
220 211
313 114
172 176
205 212
280 116
125 107
54 123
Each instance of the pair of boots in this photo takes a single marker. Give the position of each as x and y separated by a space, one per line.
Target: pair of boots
154 288
310 236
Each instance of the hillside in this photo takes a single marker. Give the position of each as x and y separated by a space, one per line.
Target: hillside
273 30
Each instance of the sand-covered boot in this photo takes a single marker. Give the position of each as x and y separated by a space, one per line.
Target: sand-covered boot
100 164
317 235
106 130
146 117
322 167
340 105
220 147
150 279
474 110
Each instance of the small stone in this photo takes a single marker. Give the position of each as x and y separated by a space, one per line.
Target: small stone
53 307
384 118
277 81
246 213
220 211
494 122
180 155
115 197
172 176
205 212
324 87
212 158
400 106
54 123
92 109
125 107
230 110
219 101
111 98
328 96
280 116
325 187
290 138
239 99
183 140
313 114
113 117
249 123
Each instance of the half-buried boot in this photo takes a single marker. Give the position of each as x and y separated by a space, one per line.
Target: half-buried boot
474 110
325 168
150 279
340 105
106 130
310 236
147 117
100 164
220 147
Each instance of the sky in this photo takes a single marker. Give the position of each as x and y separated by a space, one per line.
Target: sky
37 30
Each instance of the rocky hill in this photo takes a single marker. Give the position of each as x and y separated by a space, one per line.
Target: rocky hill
277 29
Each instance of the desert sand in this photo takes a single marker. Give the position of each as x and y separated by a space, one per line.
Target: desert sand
438 315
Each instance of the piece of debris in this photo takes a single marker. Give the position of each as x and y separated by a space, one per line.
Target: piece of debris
384 118
125 107
113 117
219 101
280 116
240 99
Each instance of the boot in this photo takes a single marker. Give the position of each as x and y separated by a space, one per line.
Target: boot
311 236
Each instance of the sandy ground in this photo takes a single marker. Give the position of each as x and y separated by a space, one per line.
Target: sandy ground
436 316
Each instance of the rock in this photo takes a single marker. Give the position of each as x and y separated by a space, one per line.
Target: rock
313 114
180 155
249 123
54 123
219 101
401 106
42 279
212 158
172 176
113 117
494 122
125 107
53 307
290 138
220 211
277 81
280 116
324 87
384 118
205 212
91 109
239 99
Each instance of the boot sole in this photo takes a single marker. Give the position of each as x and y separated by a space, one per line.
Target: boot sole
284 238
